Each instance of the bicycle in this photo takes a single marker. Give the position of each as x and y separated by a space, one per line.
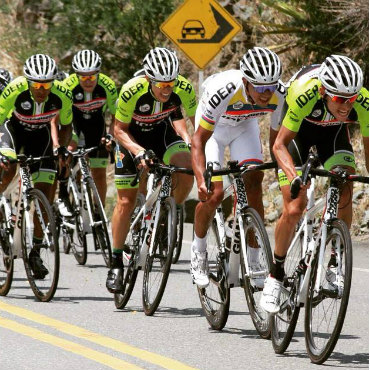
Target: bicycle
151 238
229 267
179 234
33 211
318 269
88 215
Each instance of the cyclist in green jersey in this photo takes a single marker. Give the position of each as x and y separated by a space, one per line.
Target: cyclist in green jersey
320 103
148 117
33 103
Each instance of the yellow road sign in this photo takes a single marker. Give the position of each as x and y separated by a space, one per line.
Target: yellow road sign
200 28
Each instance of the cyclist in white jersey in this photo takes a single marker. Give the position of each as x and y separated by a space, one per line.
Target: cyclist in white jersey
227 115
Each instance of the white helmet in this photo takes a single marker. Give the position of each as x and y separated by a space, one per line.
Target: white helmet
86 61
40 67
261 66
161 64
341 75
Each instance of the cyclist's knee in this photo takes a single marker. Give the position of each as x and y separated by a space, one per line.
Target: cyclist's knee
126 201
216 198
293 212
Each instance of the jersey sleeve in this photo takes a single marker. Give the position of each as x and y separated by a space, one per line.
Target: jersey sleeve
185 90
301 99
65 94
127 99
362 108
110 90
9 96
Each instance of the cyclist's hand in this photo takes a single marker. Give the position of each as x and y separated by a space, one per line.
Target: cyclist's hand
203 194
107 140
64 156
296 186
144 159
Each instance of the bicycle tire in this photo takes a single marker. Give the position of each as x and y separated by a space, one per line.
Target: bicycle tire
43 288
215 299
130 271
6 255
252 221
284 322
157 266
179 235
338 230
100 231
77 238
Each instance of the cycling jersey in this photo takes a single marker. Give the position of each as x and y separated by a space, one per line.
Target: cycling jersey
92 105
304 103
138 107
225 103
17 98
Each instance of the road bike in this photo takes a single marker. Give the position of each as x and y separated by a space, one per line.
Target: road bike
32 214
151 238
230 266
88 215
318 268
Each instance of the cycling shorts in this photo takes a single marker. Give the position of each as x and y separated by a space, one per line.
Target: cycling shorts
15 138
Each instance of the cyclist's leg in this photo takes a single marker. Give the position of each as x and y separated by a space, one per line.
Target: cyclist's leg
340 153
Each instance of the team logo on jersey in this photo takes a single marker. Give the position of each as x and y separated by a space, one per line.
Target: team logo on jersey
316 113
238 105
26 105
144 108
79 96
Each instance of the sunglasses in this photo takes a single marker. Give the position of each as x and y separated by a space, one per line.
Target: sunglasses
262 88
39 85
341 99
162 85
88 78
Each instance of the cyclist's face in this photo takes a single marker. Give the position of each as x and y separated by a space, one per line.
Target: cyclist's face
340 111
162 94
261 99
88 81
39 95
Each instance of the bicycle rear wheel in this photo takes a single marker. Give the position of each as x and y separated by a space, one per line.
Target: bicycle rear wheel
100 230
157 266
6 256
215 299
179 234
39 215
131 243
326 308
256 237
285 321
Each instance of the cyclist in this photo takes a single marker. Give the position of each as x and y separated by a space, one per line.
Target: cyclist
148 116
93 93
34 101
228 115
320 102
5 78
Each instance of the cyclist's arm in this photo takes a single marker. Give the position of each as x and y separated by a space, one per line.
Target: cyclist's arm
122 134
280 150
272 139
9 96
180 127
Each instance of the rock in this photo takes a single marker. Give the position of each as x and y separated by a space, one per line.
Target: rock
271 217
274 186
278 201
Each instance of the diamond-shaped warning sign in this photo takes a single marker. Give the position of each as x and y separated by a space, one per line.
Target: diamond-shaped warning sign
200 28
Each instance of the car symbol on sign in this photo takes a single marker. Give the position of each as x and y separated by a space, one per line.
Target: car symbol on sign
193 28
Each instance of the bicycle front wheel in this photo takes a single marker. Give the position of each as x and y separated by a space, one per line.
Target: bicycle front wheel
131 244
40 246
158 264
259 255
285 321
179 234
100 230
328 293
6 255
215 299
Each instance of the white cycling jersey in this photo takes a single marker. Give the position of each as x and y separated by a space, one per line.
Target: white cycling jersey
225 103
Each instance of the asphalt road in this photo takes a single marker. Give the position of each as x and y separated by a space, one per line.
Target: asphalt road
81 328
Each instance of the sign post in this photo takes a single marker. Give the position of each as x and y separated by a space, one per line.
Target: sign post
200 28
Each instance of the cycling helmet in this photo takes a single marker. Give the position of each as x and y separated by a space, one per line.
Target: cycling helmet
86 61
161 64
341 75
261 66
5 75
40 67
61 75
